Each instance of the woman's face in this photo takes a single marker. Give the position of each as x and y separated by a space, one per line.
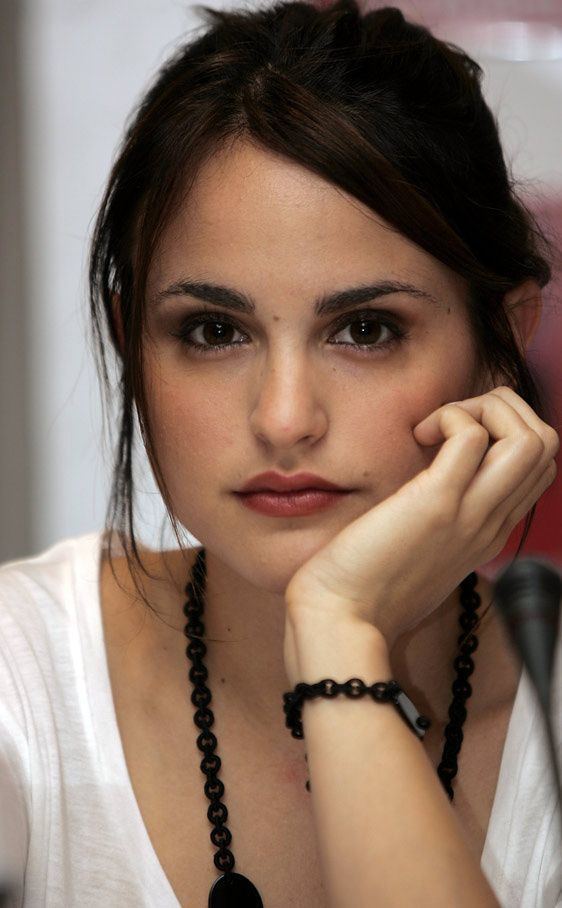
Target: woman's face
295 391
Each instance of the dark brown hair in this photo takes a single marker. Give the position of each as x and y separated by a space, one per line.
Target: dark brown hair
374 104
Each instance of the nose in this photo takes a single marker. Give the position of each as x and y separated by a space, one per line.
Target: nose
287 406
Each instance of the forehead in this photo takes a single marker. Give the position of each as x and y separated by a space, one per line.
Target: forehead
252 215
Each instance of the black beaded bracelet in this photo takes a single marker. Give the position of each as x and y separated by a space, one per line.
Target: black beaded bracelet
383 691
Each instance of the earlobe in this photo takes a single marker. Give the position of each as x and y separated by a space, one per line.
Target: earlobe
524 307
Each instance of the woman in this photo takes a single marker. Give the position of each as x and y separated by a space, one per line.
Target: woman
310 259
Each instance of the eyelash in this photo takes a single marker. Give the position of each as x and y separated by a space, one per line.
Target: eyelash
202 317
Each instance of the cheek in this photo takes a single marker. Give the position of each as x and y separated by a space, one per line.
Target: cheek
191 433
383 432
386 447
426 400
198 429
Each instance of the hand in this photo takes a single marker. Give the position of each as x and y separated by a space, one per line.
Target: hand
395 564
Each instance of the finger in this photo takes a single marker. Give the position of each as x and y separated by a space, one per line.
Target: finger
526 488
505 420
501 468
492 472
464 445
547 432
512 466
508 524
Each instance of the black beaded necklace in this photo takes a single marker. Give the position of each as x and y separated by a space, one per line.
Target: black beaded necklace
232 889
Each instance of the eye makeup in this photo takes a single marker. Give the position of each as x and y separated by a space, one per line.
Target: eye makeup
366 317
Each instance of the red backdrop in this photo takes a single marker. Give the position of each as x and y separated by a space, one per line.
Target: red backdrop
545 355
545 352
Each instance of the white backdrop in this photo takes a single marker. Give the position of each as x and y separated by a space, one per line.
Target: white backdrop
84 63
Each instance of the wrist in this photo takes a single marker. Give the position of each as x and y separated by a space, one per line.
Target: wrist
320 645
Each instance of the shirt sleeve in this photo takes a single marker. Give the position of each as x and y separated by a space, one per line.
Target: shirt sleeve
14 782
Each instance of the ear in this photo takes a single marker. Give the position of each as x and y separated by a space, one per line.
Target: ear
523 305
118 321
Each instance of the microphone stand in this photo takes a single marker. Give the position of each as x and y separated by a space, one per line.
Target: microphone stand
528 595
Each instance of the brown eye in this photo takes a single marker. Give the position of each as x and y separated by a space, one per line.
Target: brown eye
366 330
215 333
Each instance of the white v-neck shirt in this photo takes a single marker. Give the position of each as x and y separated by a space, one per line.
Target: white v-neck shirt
71 832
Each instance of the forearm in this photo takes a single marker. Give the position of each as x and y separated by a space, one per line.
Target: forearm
386 832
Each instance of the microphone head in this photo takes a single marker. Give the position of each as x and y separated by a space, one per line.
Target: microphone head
530 578
528 596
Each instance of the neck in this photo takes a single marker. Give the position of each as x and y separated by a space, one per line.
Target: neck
248 625
245 628
244 632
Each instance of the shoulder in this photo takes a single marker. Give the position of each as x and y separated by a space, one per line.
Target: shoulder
49 574
42 590
160 579
158 574
38 602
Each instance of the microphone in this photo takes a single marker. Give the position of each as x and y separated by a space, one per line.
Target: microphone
528 596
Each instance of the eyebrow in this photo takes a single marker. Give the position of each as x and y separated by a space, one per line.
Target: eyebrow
327 304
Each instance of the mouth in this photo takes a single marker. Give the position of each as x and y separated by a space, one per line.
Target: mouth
271 481
293 492
298 503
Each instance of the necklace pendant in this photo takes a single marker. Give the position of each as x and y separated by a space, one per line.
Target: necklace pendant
231 890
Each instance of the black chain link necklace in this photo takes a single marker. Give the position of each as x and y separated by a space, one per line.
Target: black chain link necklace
230 889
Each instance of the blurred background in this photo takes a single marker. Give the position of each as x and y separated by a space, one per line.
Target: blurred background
71 71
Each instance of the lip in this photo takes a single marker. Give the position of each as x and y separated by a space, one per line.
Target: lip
291 504
276 482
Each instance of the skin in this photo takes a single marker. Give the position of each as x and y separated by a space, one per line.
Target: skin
290 399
